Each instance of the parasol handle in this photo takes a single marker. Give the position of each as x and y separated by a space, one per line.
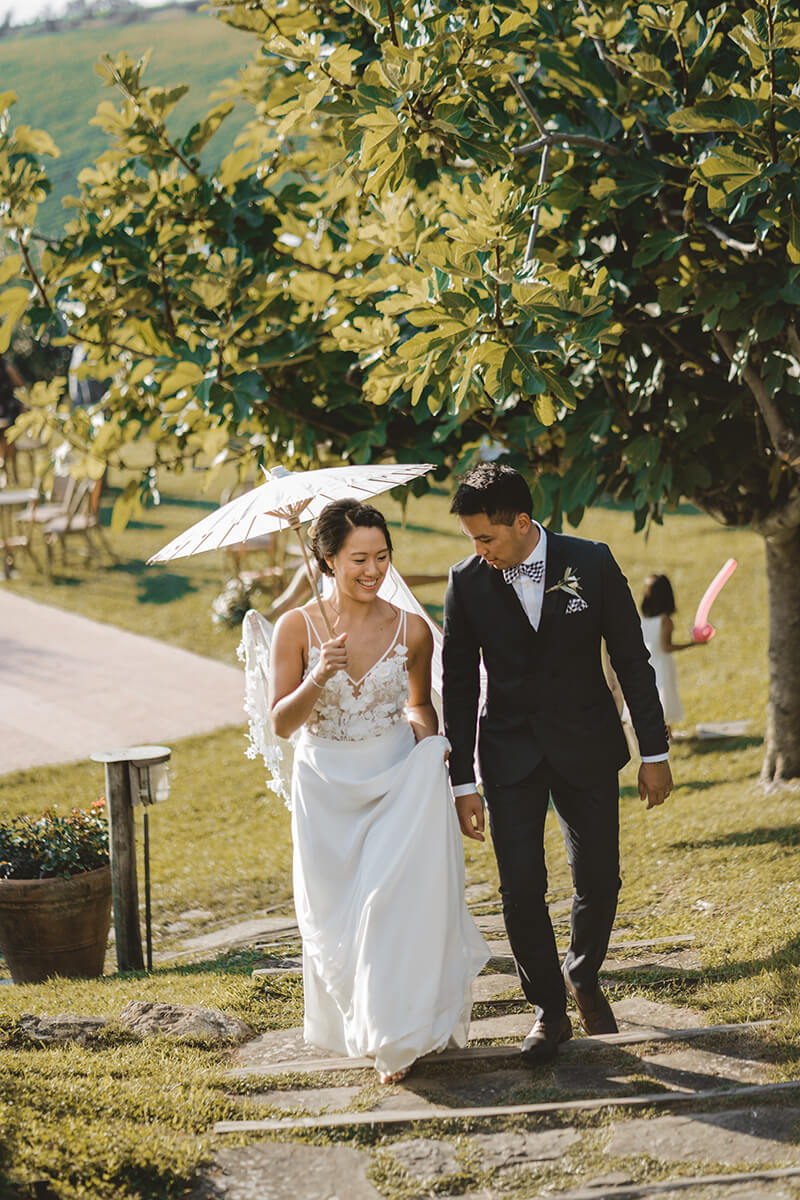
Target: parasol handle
294 523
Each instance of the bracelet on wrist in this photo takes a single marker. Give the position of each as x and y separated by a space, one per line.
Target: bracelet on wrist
315 681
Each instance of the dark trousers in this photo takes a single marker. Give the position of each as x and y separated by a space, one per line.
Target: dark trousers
589 819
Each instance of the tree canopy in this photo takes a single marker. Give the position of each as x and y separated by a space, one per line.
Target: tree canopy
570 228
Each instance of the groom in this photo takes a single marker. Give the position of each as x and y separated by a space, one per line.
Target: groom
536 606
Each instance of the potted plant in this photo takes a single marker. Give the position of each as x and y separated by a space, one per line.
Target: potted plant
55 894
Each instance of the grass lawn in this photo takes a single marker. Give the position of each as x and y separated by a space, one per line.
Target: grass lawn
192 48
718 861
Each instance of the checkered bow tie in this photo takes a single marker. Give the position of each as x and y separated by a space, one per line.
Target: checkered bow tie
534 571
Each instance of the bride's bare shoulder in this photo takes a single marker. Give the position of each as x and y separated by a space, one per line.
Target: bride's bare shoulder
291 627
418 632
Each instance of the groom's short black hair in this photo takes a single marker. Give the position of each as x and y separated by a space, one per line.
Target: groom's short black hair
491 488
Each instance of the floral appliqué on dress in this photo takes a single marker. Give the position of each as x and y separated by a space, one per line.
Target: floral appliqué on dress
346 711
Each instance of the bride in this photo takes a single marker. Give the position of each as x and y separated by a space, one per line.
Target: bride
389 947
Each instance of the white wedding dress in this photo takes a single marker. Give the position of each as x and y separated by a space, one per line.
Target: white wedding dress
389 947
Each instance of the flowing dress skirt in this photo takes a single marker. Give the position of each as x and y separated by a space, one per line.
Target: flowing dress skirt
389 948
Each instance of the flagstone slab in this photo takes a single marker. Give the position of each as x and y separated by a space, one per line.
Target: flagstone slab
279 1046
575 1079
408 1096
665 962
304 1100
426 1160
519 1148
510 1025
476 1088
693 1068
500 949
757 1189
493 923
280 966
477 893
634 1011
239 933
489 987
767 1135
287 1171
780 1183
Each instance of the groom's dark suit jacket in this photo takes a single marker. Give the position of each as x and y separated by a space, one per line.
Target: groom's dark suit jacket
547 695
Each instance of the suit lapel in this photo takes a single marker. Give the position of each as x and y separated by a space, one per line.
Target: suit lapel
554 602
508 604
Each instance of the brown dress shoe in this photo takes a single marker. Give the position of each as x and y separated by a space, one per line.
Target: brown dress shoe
541 1044
594 1011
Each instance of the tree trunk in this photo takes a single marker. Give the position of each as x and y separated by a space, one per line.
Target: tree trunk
782 747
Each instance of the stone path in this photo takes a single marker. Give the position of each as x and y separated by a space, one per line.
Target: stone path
671 1106
70 686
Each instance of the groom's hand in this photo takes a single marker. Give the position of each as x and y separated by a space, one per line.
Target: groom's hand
470 816
655 782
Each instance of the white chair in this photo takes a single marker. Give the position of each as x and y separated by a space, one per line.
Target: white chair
81 517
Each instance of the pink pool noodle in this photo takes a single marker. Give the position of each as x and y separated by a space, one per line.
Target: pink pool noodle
702 631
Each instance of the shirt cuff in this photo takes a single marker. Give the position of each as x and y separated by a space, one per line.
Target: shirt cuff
464 789
655 757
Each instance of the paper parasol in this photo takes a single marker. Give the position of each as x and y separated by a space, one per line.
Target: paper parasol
284 501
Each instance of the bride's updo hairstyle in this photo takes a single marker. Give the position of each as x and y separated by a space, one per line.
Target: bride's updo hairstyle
337 521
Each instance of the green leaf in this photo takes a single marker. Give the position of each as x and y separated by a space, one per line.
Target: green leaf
662 245
13 302
545 409
9 267
185 375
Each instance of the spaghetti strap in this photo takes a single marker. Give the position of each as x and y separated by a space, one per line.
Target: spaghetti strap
399 636
311 629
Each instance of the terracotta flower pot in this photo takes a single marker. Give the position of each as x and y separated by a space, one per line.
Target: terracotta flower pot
55 926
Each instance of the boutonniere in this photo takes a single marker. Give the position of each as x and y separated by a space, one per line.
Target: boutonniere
569 583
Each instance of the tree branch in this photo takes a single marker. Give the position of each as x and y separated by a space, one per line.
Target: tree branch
543 173
523 95
392 25
719 233
165 297
785 441
773 87
32 271
498 308
568 139
611 68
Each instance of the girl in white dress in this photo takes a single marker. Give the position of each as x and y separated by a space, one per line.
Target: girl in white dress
389 948
658 607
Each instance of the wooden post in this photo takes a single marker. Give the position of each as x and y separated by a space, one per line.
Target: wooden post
124 887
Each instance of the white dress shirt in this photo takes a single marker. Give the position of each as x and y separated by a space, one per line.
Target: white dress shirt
530 593
531 596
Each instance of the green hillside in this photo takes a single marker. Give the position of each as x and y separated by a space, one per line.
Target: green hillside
53 75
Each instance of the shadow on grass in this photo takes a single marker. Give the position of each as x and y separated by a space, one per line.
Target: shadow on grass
783 958
185 502
105 520
704 745
156 587
697 785
65 580
764 835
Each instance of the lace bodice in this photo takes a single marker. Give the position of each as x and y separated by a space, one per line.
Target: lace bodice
349 710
